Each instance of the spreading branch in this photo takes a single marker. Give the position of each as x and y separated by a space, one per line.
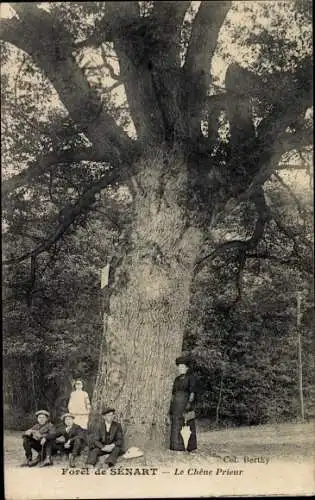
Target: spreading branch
50 47
133 45
71 212
294 97
204 37
196 69
165 26
268 163
240 246
284 142
43 165
255 154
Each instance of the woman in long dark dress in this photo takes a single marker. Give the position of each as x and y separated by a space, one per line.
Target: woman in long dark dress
183 399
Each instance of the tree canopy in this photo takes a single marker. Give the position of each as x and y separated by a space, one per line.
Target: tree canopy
161 55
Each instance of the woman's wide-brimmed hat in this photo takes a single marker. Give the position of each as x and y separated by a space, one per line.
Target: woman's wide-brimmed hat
183 360
67 415
108 409
42 412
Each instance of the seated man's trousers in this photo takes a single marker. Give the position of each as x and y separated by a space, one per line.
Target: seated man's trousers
29 444
111 459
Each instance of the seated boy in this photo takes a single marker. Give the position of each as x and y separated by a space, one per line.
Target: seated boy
70 438
107 440
40 438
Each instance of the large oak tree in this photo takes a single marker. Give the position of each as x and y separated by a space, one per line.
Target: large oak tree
181 174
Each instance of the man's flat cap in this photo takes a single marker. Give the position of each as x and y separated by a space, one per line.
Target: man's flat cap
67 415
42 412
108 410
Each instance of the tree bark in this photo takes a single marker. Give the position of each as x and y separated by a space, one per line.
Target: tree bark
143 328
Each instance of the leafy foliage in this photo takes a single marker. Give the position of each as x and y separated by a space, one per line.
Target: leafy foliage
114 82
53 324
243 331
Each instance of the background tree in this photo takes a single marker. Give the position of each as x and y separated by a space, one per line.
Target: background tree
188 150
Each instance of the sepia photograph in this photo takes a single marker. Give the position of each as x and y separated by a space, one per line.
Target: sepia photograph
157 249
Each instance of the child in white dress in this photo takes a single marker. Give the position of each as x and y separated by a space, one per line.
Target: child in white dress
79 405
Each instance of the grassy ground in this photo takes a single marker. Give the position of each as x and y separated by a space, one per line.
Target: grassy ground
293 442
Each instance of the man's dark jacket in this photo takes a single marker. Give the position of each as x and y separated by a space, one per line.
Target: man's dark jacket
101 437
46 430
75 431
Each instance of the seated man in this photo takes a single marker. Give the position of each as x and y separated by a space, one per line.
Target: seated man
107 440
70 438
40 438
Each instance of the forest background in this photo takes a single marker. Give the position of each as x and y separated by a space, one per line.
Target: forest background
242 329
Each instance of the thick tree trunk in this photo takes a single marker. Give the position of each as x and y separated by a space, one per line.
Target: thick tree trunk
143 329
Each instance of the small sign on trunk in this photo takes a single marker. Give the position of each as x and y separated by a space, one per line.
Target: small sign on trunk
104 276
